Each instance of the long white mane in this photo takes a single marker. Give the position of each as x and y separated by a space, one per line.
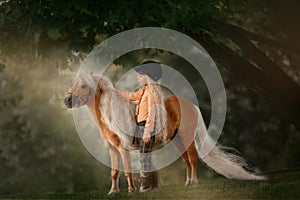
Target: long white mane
117 113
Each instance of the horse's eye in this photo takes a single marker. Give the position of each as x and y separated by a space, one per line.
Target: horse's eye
83 86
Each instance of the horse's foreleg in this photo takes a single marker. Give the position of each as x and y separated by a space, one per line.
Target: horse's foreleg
115 162
127 169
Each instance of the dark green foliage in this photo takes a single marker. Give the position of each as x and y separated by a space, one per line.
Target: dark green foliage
76 23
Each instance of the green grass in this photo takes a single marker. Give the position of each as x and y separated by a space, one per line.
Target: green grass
284 186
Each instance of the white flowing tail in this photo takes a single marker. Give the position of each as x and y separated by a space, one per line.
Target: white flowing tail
224 163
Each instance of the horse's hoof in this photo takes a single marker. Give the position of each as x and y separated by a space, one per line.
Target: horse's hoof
143 190
188 183
131 190
191 182
113 191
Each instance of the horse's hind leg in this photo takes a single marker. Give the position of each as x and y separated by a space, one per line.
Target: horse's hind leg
115 162
127 169
185 158
193 159
190 159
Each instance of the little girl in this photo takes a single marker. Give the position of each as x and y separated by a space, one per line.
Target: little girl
148 118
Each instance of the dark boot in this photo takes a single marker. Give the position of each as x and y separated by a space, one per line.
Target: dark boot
149 181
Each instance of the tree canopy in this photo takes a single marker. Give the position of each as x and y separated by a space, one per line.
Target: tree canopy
255 40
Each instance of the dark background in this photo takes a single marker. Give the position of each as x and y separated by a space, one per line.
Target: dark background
254 42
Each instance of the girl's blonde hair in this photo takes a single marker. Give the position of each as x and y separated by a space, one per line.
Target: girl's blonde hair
161 113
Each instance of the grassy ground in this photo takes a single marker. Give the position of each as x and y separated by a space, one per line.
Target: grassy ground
283 186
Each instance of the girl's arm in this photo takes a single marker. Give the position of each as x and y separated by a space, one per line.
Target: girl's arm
132 96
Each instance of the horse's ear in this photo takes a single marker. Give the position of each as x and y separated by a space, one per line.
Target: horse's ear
93 76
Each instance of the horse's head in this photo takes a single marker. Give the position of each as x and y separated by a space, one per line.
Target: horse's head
81 91
85 87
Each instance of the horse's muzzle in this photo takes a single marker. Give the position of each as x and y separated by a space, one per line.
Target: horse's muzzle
68 101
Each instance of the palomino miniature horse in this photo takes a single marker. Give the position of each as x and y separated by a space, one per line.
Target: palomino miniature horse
183 118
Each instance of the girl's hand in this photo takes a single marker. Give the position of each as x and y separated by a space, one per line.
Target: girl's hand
116 91
146 138
119 92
